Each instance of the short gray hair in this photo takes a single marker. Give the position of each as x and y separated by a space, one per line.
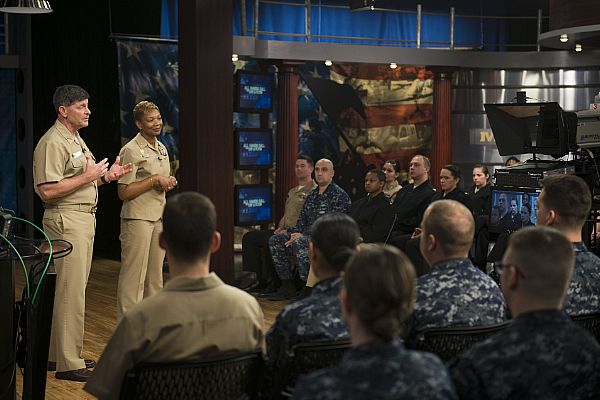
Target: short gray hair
66 95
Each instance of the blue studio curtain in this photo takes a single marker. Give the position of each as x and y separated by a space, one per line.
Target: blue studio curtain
393 28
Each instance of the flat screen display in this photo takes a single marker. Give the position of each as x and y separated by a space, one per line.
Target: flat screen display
253 204
254 148
254 92
512 208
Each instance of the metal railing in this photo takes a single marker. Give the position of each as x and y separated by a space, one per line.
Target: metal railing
417 42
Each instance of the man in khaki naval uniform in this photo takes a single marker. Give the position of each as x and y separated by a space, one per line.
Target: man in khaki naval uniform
143 195
66 177
196 315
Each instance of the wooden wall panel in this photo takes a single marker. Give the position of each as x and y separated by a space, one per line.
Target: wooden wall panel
205 110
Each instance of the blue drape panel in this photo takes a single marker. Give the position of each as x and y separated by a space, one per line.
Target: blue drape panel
169 20
327 21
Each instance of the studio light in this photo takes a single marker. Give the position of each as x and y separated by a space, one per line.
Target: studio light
328 63
564 38
393 65
234 57
25 6
578 47
362 5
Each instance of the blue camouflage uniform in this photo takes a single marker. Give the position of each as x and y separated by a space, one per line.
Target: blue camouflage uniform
583 296
455 293
333 199
314 318
541 355
379 371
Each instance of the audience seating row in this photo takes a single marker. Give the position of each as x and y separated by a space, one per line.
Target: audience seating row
240 376
229 377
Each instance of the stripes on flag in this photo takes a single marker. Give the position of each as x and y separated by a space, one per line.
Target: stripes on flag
399 107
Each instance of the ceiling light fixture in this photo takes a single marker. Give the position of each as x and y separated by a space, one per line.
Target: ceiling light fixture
393 65
25 6
328 63
234 57
578 47
564 38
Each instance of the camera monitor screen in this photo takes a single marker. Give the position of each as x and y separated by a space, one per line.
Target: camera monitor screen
254 148
254 92
253 204
512 208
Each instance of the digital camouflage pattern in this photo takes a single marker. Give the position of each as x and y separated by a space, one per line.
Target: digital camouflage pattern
333 199
455 293
314 318
541 355
379 371
583 296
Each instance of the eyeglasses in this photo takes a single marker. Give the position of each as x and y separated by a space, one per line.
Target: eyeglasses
500 266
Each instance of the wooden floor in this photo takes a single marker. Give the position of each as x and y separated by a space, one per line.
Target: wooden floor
100 320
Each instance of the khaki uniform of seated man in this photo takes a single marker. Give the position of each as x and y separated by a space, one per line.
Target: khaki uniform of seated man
196 315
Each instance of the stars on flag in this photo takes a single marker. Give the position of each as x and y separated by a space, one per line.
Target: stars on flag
138 94
305 126
303 90
321 115
167 129
314 73
132 49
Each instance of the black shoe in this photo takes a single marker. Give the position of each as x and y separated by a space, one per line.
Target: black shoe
268 291
285 292
282 296
88 364
259 287
265 294
77 375
251 286
302 294
269 287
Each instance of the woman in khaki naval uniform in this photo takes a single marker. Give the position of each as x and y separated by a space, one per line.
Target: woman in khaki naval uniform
143 195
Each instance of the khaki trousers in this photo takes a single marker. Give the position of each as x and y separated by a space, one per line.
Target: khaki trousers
141 262
72 272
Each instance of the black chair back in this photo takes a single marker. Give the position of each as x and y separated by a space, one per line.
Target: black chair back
447 343
590 322
303 358
227 377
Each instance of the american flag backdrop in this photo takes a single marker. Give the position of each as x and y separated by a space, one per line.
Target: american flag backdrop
398 105
149 70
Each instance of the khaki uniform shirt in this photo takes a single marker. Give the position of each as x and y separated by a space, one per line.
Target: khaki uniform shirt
146 160
294 202
59 155
188 320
